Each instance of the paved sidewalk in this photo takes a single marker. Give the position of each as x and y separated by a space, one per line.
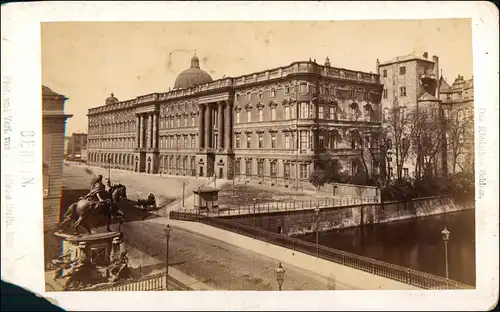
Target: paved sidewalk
343 276
140 259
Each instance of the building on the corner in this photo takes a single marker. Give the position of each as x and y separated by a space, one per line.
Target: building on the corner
76 143
411 84
268 126
54 122
458 106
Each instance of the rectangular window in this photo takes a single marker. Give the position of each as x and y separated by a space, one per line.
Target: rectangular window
193 142
178 122
261 141
185 121
248 167
273 92
321 141
384 73
249 116
402 70
303 88
303 140
273 140
287 170
261 115
193 121
237 141
304 110
287 112
385 94
293 111
237 98
237 117
178 142
273 169
261 96
402 91
249 141
237 168
320 112
303 171
273 113
260 168
332 113
287 141
287 89
249 96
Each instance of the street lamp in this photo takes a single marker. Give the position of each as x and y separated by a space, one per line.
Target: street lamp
183 188
317 230
254 201
280 274
109 167
446 237
167 238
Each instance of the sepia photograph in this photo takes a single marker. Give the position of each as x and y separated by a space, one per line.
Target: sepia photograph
189 162
229 157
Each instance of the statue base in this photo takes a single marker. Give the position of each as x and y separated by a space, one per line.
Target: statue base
94 254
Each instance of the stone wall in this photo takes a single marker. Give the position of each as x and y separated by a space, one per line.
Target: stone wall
305 221
352 190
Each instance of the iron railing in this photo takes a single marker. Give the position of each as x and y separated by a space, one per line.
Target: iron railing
154 282
372 266
228 210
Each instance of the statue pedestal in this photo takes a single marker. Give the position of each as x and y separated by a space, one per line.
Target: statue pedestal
94 251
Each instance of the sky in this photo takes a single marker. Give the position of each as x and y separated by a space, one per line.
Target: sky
87 61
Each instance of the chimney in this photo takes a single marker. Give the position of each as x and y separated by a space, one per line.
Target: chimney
426 55
377 66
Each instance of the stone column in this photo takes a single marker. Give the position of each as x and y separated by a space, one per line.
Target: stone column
155 130
208 127
137 134
201 127
220 125
228 126
141 131
150 131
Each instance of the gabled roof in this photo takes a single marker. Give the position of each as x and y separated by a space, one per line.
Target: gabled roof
406 58
443 85
428 97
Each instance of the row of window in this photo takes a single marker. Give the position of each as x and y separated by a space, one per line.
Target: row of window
112 143
402 71
175 142
402 92
113 128
287 168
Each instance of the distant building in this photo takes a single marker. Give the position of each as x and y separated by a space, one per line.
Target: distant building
458 106
270 126
54 121
410 83
76 142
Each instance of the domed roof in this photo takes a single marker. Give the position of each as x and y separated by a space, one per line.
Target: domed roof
111 100
192 76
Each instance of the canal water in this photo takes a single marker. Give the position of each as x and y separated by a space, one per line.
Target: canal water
415 243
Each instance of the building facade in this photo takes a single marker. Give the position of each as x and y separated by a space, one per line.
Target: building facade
458 110
76 143
270 126
54 122
410 84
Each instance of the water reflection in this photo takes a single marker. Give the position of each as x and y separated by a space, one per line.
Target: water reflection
415 243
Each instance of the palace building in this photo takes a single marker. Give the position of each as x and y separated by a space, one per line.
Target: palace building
270 126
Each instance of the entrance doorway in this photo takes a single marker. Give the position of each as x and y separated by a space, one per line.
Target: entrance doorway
201 171
221 173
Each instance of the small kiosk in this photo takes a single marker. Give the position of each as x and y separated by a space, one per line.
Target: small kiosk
206 199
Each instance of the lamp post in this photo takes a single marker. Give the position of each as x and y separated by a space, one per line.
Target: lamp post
254 202
317 230
280 274
446 237
109 167
183 188
167 238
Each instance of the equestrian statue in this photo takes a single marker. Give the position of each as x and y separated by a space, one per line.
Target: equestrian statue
97 201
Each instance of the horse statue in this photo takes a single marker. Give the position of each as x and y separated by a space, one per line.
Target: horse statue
80 211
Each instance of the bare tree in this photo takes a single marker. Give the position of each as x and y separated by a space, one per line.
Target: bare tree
399 128
458 127
427 141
